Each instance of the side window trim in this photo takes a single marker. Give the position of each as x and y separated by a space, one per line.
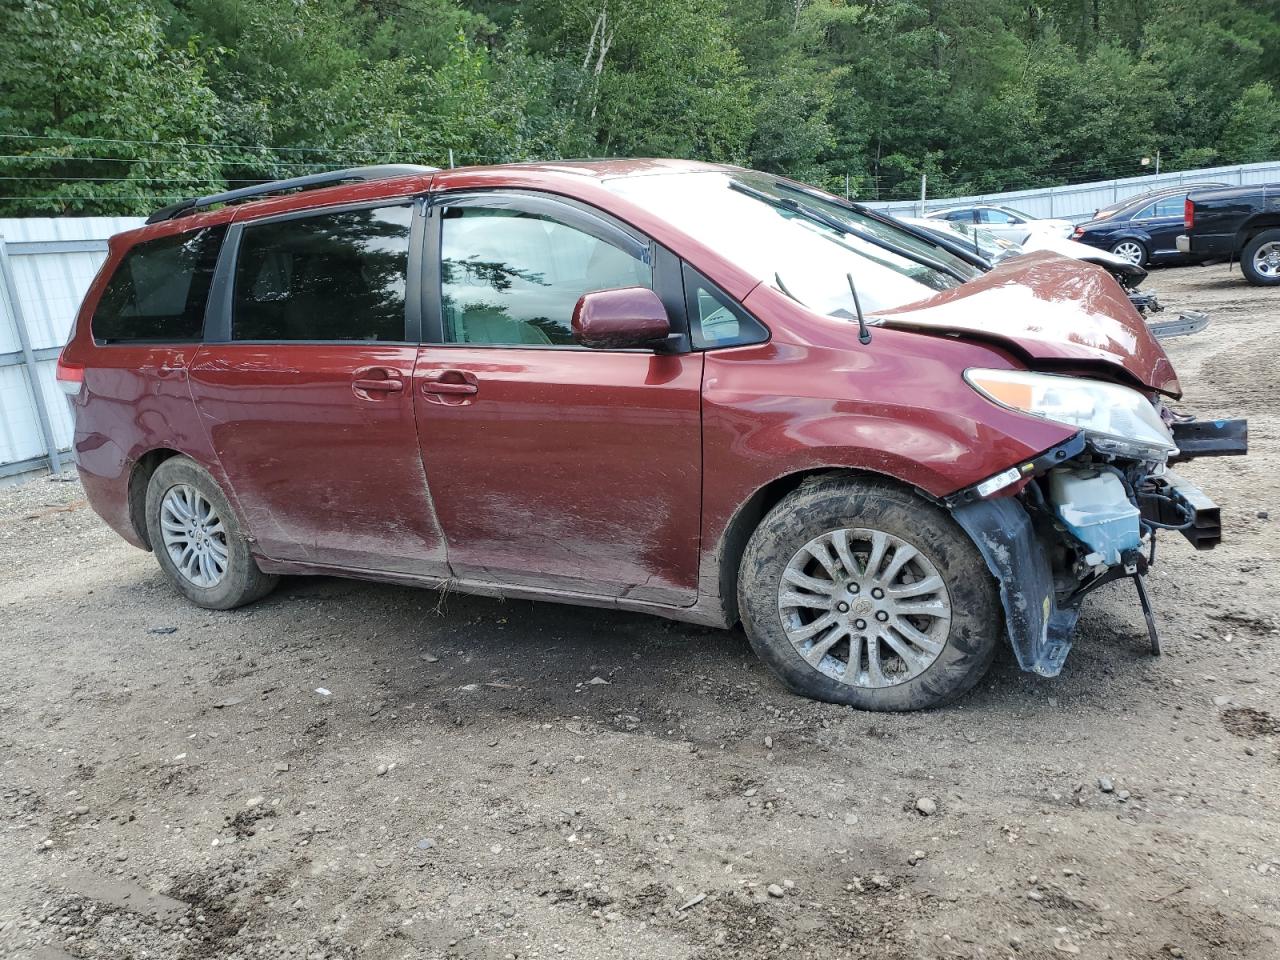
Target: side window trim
217 312
693 279
667 281
218 308
590 222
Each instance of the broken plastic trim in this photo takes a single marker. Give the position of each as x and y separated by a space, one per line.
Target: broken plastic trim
1072 447
1039 630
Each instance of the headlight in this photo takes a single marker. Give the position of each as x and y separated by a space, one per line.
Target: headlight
1116 419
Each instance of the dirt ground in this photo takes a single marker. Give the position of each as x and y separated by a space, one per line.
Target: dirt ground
351 770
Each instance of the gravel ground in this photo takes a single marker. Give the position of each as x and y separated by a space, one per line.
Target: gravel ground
352 770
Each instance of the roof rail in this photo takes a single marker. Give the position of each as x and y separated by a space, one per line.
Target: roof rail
384 171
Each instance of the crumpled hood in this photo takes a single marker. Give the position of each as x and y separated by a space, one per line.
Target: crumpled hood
1049 308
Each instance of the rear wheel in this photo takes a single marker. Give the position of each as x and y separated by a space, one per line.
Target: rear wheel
1260 259
1135 251
861 593
197 541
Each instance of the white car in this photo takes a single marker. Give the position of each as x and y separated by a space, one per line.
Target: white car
995 248
1004 221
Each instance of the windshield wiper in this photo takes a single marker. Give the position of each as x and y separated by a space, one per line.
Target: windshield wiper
955 248
843 228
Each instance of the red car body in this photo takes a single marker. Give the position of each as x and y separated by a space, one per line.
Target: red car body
626 478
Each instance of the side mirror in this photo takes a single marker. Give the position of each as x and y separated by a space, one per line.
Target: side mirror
621 318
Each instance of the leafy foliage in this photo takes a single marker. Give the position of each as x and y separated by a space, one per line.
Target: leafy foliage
111 106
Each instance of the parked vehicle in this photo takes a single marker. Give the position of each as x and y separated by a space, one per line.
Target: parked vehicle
996 249
1003 221
1143 230
1138 200
1236 223
691 390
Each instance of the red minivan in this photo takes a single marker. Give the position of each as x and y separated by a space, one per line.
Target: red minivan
698 391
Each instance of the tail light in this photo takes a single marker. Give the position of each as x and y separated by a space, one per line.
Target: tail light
1189 214
1077 233
70 377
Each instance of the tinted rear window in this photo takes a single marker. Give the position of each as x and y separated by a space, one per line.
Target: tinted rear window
159 290
332 276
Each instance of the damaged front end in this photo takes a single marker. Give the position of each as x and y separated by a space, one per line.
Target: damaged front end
1086 512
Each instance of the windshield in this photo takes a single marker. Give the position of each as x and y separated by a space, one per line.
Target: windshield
1018 213
989 246
799 240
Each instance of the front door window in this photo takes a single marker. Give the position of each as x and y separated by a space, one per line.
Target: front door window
512 278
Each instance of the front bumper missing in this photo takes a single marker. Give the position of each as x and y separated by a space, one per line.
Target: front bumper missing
1040 624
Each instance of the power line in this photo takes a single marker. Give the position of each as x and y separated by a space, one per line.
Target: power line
71 138
242 148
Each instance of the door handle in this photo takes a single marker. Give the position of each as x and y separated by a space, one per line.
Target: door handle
379 386
369 383
445 386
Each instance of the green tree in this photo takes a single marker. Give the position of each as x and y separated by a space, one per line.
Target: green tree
1252 131
660 77
98 113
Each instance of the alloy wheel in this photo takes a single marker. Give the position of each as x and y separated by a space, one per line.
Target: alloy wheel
1129 250
864 607
194 535
1266 259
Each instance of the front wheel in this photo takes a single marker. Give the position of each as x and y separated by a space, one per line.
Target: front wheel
860 593
197 540
1260 259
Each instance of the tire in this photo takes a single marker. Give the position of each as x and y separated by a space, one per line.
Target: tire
963 643
1128 245
177 489
1260 259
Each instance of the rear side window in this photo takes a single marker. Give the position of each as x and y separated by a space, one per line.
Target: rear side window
332 276
158 292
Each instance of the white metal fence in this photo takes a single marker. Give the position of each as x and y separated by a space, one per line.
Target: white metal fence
46 264
1077 202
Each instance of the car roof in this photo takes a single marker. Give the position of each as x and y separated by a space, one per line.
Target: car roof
541 174
1181 188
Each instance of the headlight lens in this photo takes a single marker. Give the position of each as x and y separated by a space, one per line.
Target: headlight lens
1117 420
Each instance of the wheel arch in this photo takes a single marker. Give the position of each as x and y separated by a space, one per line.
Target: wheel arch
1254 226
733 540
139 478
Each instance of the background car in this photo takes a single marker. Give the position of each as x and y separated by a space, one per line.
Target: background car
1003 221
1236 223
997 249
1104 213
1143 229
